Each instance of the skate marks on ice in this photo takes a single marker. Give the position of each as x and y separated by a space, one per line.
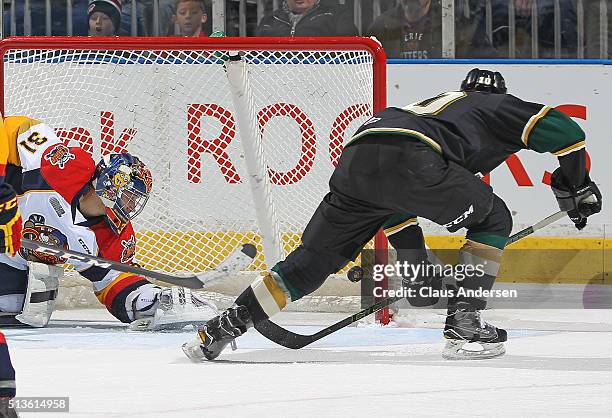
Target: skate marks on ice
541 351
555 372
58 330
558 342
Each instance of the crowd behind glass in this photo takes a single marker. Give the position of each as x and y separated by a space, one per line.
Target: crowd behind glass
410 29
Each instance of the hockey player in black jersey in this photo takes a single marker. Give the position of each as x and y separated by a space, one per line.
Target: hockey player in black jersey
421 160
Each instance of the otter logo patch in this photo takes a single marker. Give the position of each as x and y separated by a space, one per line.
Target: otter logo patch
36 230
59 156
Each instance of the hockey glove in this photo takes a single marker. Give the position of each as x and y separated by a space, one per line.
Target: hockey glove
579 202
10 221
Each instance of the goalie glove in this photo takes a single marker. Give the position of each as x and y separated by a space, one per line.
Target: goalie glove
579 202
10 221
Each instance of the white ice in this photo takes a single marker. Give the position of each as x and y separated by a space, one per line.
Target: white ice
557 363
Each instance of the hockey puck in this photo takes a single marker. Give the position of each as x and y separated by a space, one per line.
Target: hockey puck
355 274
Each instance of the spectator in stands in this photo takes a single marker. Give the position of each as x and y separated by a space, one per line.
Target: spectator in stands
126 18
104 17
165 12
188 19
523 10
546 24
37 17
306 18
592 16
413 30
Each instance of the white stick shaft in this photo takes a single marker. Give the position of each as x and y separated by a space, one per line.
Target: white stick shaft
549 220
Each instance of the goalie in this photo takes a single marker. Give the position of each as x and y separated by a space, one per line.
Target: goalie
67 200
421 160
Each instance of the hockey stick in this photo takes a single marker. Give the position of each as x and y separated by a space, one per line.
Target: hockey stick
238 260
289 339
531 229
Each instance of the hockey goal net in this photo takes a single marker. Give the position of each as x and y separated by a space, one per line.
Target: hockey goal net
281 117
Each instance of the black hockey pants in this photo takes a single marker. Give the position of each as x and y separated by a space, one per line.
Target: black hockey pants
377 177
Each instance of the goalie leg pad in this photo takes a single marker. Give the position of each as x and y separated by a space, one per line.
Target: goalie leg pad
43 284
170 309
13 286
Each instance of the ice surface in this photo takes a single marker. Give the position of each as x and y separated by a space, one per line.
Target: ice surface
557 363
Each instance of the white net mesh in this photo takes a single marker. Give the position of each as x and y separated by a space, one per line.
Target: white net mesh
173 109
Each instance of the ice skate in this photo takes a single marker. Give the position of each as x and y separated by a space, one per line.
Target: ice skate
469 337
217 333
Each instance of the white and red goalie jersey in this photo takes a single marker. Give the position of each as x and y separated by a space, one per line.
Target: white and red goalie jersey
49 177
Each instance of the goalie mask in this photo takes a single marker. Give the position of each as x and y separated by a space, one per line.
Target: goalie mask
123 183
484 80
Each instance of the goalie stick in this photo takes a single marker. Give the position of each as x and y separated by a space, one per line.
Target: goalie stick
238 260
289 339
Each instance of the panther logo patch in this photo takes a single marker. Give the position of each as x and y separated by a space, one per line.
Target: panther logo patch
59 156
129 249
36 230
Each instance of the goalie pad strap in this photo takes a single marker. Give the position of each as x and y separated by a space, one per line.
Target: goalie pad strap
39 297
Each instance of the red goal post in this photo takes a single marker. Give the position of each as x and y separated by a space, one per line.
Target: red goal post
168 101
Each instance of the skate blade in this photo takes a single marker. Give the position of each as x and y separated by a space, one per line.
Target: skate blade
464 350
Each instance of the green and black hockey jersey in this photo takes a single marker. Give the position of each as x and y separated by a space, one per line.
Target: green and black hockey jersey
478 130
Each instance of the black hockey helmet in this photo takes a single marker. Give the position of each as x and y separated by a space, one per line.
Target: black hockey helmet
484 80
